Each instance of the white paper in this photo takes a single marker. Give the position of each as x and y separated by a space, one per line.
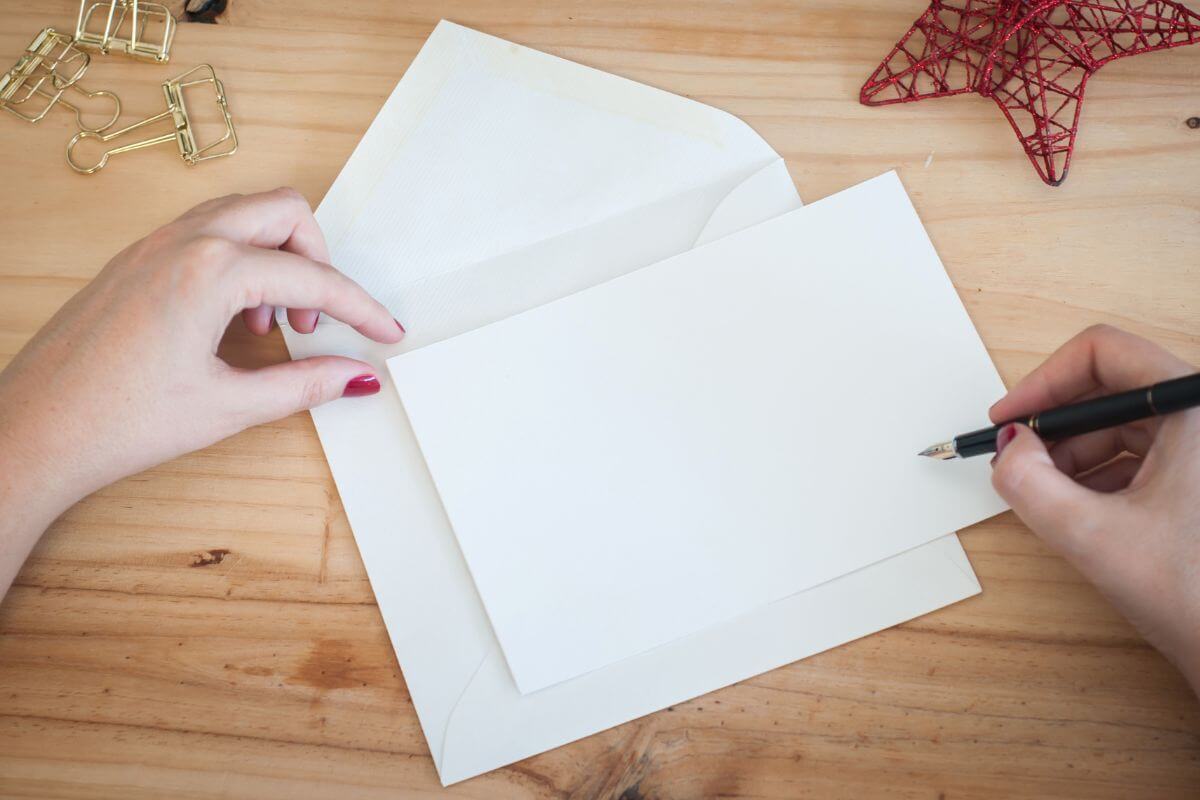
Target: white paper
473 717
641 460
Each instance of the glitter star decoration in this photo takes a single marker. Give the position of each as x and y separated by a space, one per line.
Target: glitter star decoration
1033 58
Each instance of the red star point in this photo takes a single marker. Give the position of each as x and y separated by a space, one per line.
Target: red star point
1033 58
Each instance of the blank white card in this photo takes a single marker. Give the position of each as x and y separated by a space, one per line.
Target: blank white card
646 458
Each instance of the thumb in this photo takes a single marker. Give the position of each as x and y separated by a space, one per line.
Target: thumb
1053 505
280 390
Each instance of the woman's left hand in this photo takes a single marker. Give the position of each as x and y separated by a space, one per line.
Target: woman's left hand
126 374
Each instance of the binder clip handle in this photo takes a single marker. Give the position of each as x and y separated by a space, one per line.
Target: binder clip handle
107 137
182 131
50 67
71 147
116 101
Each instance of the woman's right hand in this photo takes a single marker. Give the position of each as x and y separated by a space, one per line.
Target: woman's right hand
1122 505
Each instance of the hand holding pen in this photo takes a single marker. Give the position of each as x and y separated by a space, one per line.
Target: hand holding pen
1122 503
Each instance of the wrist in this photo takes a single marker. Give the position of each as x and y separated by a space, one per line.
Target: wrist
30 497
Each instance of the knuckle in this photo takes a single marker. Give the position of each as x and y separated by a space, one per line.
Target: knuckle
1102 330
208 251
333 282
219 205
200 261
140 256
161 238
312 392
164 233
290 195
215 202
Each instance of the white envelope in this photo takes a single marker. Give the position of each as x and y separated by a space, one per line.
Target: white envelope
495 179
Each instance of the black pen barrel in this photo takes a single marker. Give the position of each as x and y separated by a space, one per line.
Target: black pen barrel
1176 395
1118 409
1092 415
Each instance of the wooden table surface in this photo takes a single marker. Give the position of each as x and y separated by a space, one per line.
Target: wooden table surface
206 630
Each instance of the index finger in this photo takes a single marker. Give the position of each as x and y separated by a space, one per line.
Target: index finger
1101 358
279 219
278 278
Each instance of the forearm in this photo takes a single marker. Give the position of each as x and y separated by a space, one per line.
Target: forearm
23 519
30 497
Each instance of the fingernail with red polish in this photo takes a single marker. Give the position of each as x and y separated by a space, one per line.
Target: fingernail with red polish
361 386
1005 436
398 325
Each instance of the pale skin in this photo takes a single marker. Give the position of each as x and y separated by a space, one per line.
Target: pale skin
1119 504
126 375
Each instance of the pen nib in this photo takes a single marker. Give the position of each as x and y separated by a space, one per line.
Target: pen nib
942 451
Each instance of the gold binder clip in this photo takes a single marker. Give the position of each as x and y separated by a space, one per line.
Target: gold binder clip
48 68
116 13
184 134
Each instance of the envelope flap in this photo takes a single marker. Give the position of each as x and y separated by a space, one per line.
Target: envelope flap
451 303
486 147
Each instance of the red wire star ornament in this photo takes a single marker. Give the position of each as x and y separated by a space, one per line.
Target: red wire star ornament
1032 57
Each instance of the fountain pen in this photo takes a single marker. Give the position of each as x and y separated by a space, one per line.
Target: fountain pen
1083 417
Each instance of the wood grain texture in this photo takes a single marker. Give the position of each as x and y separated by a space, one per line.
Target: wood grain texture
206 630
